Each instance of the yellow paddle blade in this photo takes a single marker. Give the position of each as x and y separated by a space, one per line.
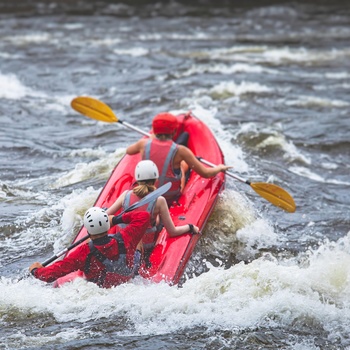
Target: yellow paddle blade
275 194
94 109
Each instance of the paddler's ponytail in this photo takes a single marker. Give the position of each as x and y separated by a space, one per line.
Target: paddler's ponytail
144 188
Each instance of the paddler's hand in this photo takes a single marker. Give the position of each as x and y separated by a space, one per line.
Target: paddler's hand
35 265
193 229
224 167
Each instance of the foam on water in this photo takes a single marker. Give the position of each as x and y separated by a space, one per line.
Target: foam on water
274 138
291 152
69 26
305 172
57 217
321 75
233 212
98 169
225 89
54 224
226 69
135 52
73 207
105 41
262 293
21 340
32 38
172 36
255 236
272 55
11 87
301 55
315 102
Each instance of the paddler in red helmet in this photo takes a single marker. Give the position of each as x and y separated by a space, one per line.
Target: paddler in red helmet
171 158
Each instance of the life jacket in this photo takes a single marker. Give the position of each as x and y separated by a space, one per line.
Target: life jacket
151 234
114 272
162 153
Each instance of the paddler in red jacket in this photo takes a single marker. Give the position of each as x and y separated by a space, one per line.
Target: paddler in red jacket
171 159
107 260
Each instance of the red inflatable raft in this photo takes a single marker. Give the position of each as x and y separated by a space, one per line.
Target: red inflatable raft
170 255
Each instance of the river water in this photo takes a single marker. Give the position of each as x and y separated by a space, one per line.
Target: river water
271 79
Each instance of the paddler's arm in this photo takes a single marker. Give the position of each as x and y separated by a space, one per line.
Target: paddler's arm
116 205
137 147
187 155
75 261
173 230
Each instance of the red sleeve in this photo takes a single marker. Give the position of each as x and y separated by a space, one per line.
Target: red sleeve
73 262
138 223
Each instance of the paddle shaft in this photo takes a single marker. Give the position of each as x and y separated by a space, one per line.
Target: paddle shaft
53 258
226 172
133 128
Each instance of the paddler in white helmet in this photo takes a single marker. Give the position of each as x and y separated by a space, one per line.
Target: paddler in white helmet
146 175
107 260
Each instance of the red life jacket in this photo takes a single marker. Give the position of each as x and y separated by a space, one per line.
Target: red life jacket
151 234
162 153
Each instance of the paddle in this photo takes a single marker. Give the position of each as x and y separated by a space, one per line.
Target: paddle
98 110
149 198
274 194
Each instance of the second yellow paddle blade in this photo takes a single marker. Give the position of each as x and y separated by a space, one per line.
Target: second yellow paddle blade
275 194
94 109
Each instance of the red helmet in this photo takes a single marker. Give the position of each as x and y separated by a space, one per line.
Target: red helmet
164 123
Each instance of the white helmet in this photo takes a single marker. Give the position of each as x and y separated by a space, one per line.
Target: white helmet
146 170
96 221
